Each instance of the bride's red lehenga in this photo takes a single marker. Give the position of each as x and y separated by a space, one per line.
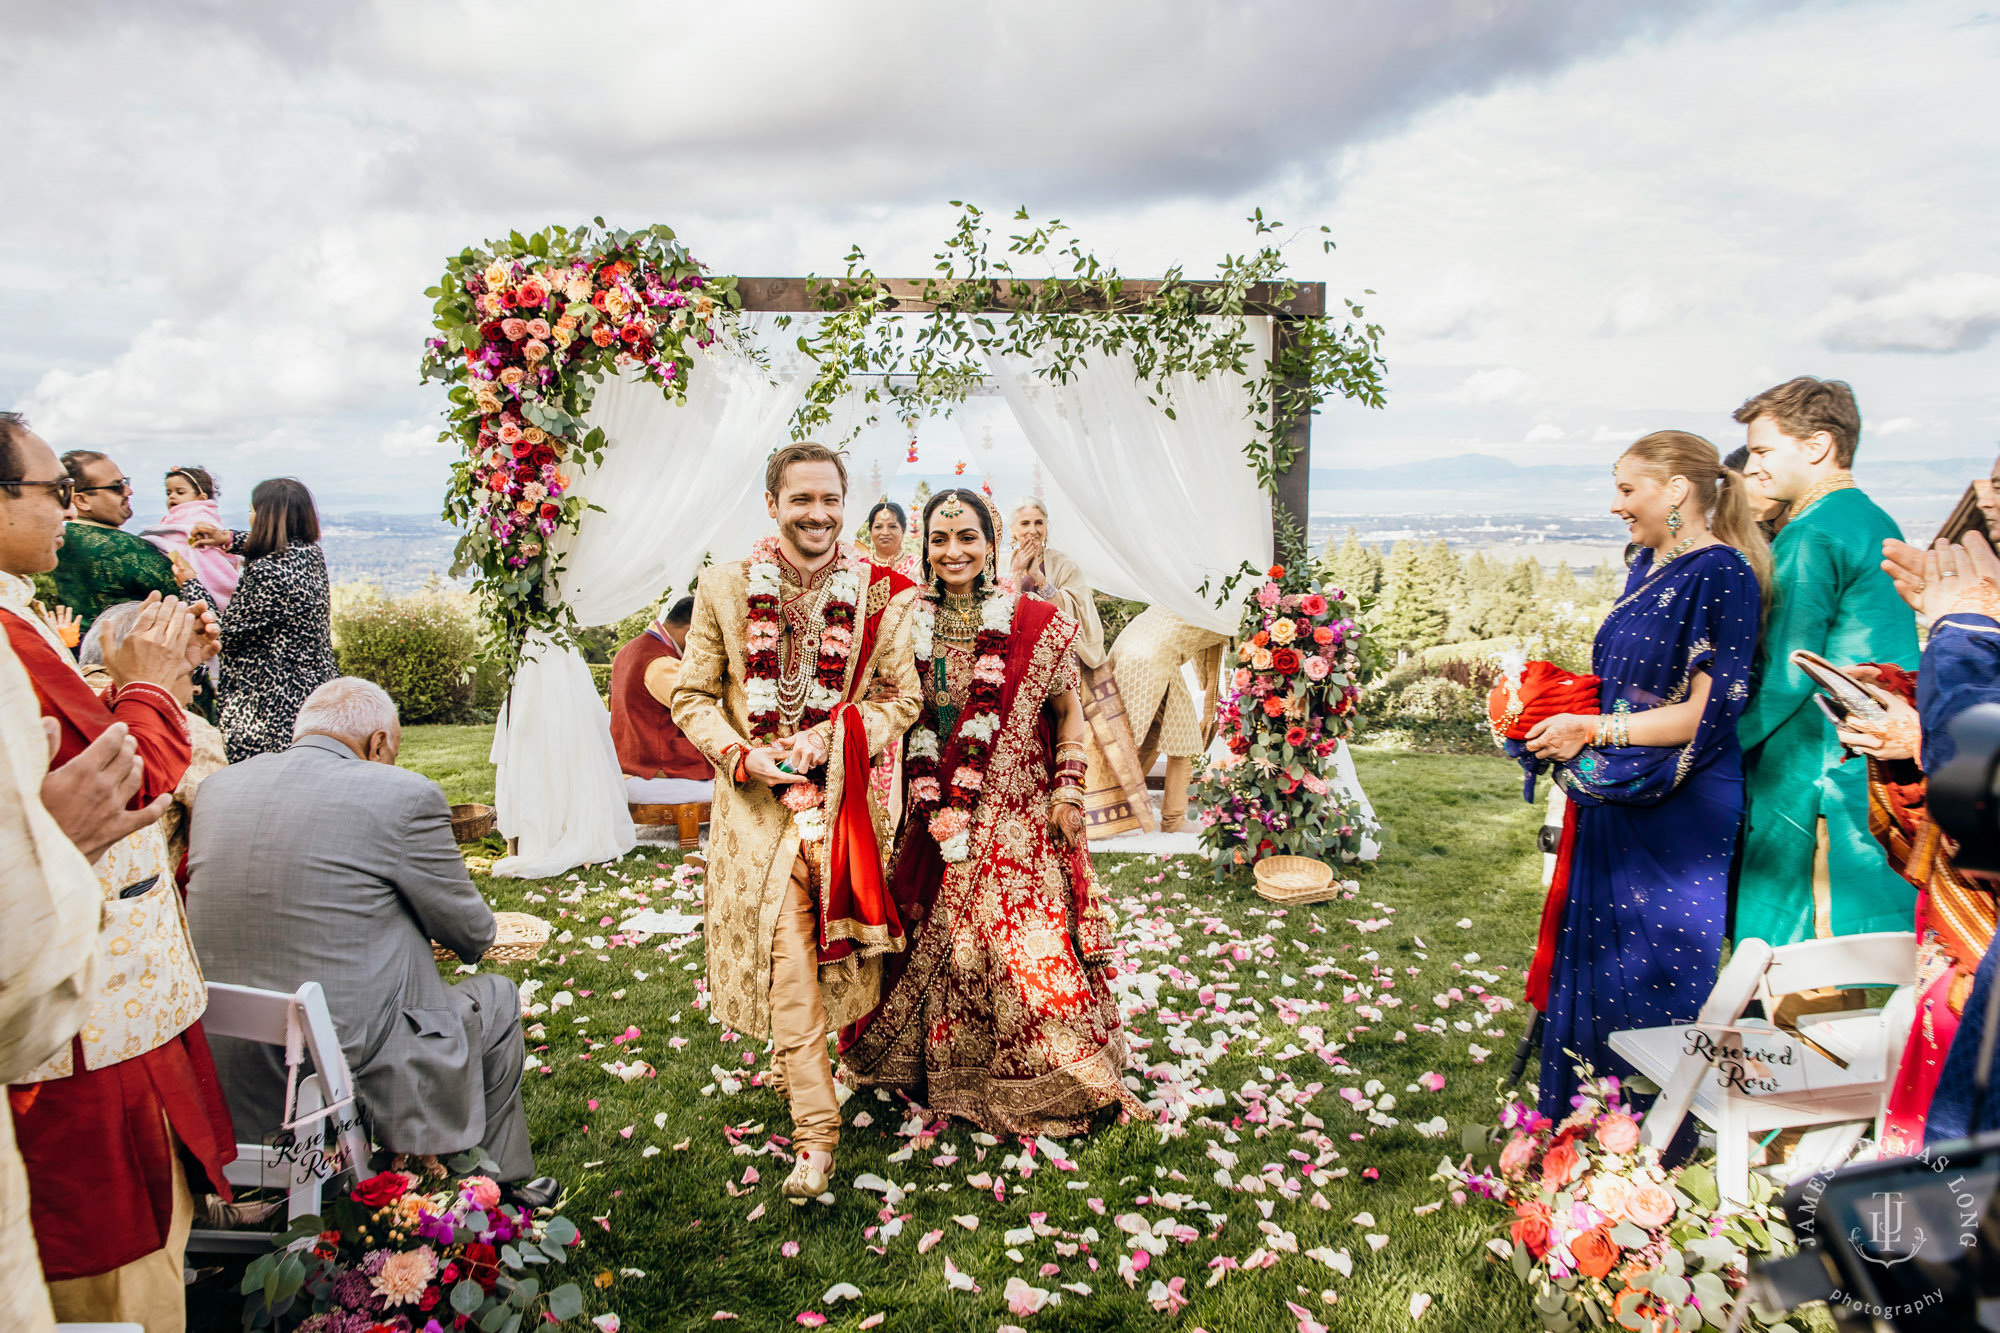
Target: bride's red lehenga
998 1013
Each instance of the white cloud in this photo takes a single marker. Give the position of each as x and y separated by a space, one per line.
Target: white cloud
1546 433
1637 306
414 437
1498 384
1947 312
1898 426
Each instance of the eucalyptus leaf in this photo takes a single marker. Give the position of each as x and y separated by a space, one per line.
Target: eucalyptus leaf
566 1302
466 1296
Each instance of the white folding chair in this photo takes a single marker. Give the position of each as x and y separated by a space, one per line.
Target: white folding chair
1848 1092
328 1140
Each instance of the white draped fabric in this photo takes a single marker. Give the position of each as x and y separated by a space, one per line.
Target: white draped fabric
674 482
1149 506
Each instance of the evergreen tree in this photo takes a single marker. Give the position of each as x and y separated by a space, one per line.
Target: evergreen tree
1355 567
1416 611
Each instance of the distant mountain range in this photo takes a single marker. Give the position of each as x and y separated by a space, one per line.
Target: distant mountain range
1918 492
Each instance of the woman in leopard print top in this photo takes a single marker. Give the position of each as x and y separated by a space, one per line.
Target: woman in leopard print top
277 640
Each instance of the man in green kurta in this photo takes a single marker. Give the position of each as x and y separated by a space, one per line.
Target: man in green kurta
100 564
1810 866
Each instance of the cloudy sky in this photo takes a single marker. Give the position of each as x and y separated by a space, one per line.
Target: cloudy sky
1581 220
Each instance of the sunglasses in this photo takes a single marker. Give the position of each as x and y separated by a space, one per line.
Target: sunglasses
122 485
65 489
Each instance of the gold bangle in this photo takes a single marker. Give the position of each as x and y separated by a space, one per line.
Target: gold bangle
1067 796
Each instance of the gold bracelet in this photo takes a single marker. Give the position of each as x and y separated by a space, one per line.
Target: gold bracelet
1067 796
1071 750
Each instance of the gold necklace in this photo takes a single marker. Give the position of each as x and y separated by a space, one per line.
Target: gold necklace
1839 481
957 619
796 677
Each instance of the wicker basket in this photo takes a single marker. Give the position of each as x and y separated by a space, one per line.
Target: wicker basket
1295 879
470 823
517 938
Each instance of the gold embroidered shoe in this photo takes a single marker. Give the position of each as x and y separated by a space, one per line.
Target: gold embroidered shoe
808 1180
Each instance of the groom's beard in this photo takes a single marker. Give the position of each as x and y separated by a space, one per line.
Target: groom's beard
810 542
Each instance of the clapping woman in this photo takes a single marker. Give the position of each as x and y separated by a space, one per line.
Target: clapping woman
277 639
1656 772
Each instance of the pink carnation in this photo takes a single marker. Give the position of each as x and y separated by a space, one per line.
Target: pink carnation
801 796
923 789
1267 596
967 779
990 670
948 823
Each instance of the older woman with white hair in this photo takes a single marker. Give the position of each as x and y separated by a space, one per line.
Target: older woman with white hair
1039 570
207 752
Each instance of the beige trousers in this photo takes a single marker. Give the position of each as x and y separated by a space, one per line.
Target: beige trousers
149 1291
798 1020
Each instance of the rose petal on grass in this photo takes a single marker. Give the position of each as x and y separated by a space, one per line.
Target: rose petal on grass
840 1291
1419 1302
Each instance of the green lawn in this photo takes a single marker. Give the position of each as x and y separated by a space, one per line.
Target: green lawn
675 1183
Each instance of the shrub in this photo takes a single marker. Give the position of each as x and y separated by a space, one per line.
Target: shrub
419 648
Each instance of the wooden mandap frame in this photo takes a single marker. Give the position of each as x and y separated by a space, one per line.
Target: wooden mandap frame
1286 304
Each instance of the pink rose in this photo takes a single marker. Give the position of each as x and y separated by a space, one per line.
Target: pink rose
1317 668
514 328
1517 1156
1618 1133
538 328
482 1191
1650 1205
1313 604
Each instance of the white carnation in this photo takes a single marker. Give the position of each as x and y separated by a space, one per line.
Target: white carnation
997 612
819 696
923 743
957 847
980 727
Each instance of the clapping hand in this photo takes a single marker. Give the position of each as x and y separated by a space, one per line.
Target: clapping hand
1026 565
207 535
165 642
1946 578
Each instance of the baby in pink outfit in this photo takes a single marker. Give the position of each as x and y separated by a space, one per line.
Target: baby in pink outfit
190 502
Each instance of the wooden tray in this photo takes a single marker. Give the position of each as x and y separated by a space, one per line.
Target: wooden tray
1295 879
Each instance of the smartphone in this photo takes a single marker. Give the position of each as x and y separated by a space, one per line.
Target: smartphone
134 890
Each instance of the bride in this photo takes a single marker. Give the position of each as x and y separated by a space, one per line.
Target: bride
998 1013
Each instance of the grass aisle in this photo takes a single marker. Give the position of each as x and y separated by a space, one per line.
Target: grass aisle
675 1183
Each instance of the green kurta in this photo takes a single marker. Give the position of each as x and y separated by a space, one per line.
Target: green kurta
100 567
1833 599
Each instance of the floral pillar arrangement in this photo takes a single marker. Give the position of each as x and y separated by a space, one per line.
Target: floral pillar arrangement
1290 703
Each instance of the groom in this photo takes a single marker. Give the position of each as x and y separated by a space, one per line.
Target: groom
798 667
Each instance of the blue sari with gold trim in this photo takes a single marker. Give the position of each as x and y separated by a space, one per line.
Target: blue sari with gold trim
1656 825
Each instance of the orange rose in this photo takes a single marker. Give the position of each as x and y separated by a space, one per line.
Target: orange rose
1561 1164
1650 1205
1596 1254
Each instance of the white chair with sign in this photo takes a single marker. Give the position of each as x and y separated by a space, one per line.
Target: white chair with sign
325 1120
1742 1078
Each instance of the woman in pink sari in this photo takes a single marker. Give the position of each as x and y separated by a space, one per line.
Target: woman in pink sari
998 1013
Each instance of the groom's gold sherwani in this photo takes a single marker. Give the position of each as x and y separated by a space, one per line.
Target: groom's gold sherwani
754 848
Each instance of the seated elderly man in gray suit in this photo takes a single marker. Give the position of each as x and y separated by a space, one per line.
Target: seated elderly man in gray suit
325 862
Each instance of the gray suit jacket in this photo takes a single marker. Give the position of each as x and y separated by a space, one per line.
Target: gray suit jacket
313 865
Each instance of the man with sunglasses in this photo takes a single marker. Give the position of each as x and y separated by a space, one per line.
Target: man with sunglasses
101 1122
101 564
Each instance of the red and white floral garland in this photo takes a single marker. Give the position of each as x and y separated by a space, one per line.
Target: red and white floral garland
950 821
760 651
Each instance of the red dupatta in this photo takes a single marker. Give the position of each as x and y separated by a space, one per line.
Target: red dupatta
856 913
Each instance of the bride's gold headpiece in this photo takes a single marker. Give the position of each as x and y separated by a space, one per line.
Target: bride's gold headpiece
953 507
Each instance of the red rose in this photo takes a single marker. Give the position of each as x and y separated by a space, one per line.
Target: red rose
1531 1228
432 1295
482 1263
1295 736
1285 661
1313 604
551 512
634 334
381 1191
1596 1254
1239 744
